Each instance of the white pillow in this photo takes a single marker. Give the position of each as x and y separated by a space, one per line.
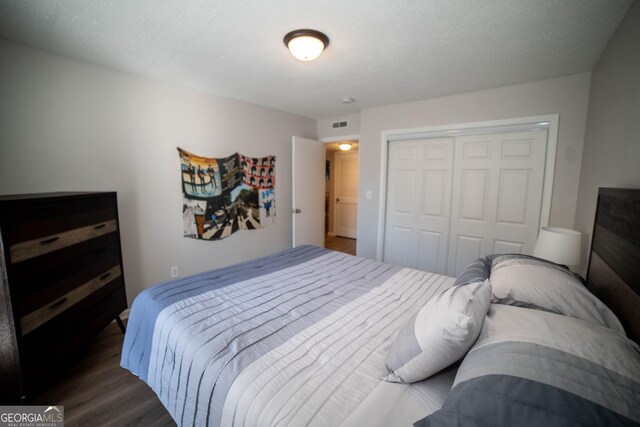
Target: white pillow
439 334
534 283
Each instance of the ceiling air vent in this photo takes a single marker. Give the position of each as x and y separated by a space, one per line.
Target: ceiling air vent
340 124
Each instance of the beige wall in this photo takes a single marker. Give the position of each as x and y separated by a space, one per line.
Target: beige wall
66 125
566 96
611 156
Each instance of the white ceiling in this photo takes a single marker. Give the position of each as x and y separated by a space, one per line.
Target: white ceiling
381 51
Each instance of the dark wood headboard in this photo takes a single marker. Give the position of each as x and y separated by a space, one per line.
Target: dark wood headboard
614 263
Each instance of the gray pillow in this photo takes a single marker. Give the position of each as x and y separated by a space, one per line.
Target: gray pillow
535 368
534 283
439 334
477 271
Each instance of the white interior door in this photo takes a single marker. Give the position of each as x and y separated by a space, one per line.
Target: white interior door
346 212
308 186
498 182
418 203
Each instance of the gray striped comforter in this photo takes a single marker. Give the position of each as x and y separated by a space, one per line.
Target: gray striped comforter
296 338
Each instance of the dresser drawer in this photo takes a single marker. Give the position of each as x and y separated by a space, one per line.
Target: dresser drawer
48 349
64 327
44 314
27 303
44 210
44 218
63 268
49 243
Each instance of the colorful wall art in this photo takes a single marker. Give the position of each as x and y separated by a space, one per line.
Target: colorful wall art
223 195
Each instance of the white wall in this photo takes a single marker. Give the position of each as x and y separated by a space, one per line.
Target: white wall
612 144
70 126
326 131
567 96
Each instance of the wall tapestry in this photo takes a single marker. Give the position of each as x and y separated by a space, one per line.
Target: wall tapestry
223 195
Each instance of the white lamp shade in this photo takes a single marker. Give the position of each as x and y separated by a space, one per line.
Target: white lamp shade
306 48
560 245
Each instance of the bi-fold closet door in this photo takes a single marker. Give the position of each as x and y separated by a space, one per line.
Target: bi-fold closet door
452 200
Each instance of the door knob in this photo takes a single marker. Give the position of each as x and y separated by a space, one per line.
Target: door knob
296 211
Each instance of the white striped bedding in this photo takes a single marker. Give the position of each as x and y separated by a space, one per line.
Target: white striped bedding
297 338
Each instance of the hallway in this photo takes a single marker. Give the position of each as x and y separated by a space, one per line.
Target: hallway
340 244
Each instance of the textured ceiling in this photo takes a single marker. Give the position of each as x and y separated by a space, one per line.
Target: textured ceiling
381 52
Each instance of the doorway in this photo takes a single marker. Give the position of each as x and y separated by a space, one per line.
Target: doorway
341 196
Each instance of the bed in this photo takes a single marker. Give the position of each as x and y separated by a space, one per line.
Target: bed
315 337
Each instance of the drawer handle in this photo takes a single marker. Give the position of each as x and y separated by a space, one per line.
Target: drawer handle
105 275
57 304
99 226
50 240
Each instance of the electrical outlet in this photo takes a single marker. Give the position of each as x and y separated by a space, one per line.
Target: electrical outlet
174 271
369 195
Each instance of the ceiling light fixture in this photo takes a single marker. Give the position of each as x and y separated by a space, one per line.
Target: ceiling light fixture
306 45
345 146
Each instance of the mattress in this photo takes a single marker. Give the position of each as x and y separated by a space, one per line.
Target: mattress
295 338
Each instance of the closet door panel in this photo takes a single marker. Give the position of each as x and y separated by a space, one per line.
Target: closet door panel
473 194
521 180
497 195
398 246
467 250
433 221
513 195
504 247
402 187
429 244
418 202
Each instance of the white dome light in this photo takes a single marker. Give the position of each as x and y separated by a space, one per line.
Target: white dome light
306 45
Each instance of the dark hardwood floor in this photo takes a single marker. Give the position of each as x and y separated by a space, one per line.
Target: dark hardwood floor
340 244
96 391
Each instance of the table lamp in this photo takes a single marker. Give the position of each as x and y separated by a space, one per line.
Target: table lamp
560 245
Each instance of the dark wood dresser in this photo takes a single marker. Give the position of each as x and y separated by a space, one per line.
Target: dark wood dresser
61 282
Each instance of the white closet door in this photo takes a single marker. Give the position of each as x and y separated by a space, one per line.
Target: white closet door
497 195
418 203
